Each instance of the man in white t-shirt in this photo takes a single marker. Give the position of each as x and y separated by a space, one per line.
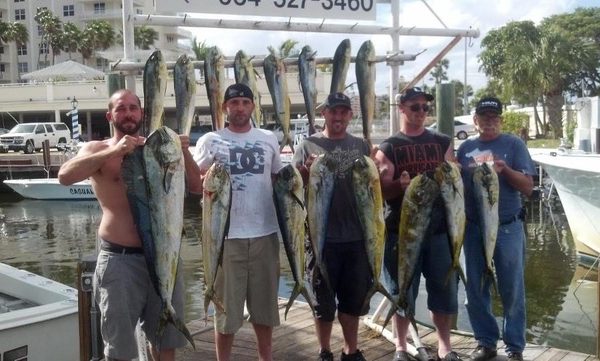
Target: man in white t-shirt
250 268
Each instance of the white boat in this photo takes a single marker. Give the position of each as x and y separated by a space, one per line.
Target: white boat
38 317
50 188
576 177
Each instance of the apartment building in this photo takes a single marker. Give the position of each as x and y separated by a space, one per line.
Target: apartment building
17 60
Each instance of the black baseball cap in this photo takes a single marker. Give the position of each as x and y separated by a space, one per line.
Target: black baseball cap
489 104
238 90
414 92
338 100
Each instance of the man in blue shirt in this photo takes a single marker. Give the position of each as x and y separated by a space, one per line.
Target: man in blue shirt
514 167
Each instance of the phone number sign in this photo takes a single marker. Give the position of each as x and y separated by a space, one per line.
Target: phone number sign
322 9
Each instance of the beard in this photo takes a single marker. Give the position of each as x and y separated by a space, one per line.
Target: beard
128 127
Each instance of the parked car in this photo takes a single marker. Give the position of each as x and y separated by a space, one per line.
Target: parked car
298 128
461 129
198 131
30 137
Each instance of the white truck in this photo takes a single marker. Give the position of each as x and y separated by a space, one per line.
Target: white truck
30 137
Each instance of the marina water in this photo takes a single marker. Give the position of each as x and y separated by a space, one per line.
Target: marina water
50 237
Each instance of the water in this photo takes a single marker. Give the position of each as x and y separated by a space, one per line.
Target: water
50 237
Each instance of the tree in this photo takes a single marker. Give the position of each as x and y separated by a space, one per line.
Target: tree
98 35
439 72
72 37
13 32
532 64
200 49
287 49
144 37
51 32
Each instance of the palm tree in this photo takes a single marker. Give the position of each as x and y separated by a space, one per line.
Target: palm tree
439 72
286 49
144 37
52 33
72 38
13 32
200 49
98 35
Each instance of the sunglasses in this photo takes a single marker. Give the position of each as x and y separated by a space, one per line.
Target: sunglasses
417 107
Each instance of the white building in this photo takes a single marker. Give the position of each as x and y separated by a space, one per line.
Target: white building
15 61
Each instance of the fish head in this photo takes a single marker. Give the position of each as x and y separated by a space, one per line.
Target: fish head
446 172
216 178
422 189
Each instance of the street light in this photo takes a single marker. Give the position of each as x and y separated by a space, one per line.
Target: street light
74 103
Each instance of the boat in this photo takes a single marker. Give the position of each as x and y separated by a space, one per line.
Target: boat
38 317
576 177
50 188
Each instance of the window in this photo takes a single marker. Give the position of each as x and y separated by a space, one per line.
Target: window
170 39
2 68
19 1
43 64
40 30
44 48
69 10
20 14
23 67
22 50
1 50
99 8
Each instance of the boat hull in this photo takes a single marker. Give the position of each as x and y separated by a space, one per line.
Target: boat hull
50 188
577 181
47 327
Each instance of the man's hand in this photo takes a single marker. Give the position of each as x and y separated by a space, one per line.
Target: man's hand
128 143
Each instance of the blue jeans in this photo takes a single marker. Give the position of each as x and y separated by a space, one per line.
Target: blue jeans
509 259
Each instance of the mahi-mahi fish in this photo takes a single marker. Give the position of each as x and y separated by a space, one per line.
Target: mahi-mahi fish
414 220
155 178
365 80
307 73
277 84
216 204
321 182
341 62
288 192
214 71
184 82
155 85
447 174
369 203
487 193
244 73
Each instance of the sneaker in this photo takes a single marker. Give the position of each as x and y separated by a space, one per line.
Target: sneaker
451 356
325 355
515 356
357 356
402 356
483 353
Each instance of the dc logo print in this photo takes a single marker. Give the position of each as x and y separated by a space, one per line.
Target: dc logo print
245 161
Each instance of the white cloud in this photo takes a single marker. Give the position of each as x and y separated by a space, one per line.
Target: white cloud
456 14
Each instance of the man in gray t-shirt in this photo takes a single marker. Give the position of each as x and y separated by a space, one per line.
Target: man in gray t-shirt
344 252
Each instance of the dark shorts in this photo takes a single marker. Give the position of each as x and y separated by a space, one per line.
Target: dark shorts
434 263
350 277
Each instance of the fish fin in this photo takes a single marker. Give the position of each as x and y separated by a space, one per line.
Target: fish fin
167 178
295 293
459 270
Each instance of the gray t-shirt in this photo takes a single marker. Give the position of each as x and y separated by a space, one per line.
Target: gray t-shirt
344 225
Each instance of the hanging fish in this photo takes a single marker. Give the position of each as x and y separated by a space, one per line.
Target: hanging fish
155 85
341 63
214 71
184 79
245 74
277 83
307 73
365 79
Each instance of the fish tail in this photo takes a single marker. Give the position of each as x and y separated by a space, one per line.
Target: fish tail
169 315
461 274
386 294
368 296
309 298
295 293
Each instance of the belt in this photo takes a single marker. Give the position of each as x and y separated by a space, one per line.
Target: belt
115 248
510 220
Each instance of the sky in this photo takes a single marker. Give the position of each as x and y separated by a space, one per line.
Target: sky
484 15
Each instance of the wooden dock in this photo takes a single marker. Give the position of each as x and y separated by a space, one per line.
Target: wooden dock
295 340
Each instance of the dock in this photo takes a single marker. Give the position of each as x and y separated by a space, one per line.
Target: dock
295 340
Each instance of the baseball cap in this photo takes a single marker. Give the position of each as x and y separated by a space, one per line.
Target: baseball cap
238 90
338 99
414 92
489 104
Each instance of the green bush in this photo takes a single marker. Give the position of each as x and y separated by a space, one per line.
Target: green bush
513 122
